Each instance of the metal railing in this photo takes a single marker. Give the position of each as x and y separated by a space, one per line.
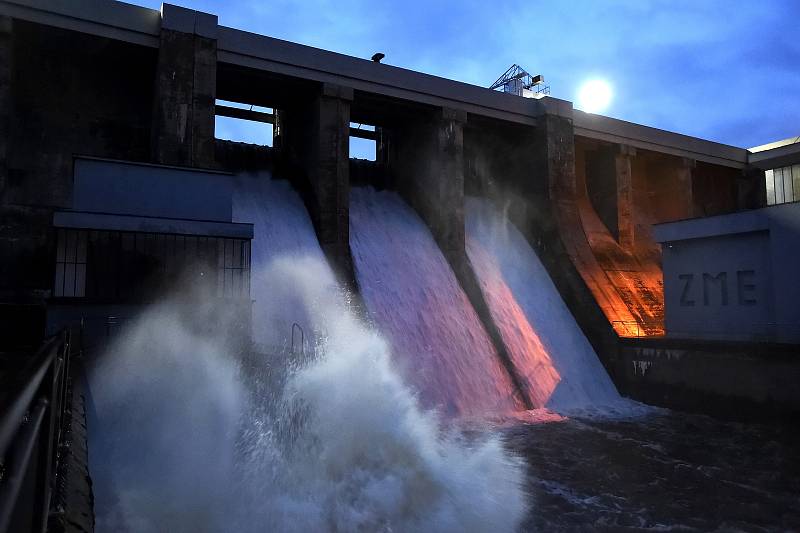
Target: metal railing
32 412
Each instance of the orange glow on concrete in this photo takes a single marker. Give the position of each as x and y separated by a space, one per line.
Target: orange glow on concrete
627 283
637 280
596 279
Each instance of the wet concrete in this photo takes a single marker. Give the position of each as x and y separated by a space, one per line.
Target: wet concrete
669 471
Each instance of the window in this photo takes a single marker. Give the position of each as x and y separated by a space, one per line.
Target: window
245 123
783 185
360 147
70 264
126 266
234 267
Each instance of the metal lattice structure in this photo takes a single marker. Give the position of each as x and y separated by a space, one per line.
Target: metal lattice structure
516 80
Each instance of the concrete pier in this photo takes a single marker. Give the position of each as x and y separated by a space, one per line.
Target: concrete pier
315 138
428 166
185 92
624 179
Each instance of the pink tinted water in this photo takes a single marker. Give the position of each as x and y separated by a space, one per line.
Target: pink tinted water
414 297
558 366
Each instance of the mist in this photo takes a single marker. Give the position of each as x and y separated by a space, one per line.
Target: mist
193 431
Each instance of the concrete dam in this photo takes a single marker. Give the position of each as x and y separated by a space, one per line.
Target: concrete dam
478 329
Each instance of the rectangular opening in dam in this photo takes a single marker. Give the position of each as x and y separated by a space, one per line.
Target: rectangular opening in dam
363 141
246 123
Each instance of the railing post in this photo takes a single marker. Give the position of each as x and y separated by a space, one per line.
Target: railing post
46 459
31 420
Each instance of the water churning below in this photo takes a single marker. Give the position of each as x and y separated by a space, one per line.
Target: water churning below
191 434
191 431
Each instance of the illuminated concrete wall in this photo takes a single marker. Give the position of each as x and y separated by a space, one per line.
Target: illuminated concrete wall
733 276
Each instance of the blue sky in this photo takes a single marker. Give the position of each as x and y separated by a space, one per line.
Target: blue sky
725 70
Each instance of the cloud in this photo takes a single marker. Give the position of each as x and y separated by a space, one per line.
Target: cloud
699 68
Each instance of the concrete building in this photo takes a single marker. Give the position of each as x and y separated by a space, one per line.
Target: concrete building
733 276
107 108
732 318
132 231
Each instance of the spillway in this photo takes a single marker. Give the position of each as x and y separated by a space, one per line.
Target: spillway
282 232
189 434
415 299
548 349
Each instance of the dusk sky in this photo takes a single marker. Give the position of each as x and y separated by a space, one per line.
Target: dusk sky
725 70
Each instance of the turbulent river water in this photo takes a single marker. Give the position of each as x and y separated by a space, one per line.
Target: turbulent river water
403 421
666 471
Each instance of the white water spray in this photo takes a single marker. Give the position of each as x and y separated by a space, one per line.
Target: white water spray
190 437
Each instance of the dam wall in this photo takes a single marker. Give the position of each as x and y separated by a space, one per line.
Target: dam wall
131 84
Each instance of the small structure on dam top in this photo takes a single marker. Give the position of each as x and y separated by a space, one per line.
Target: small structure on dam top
112 179
516 80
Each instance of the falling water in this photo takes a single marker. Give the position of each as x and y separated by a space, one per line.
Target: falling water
189 435
416 300
548 349
282 230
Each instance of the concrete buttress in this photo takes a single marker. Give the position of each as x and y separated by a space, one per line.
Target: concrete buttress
185 92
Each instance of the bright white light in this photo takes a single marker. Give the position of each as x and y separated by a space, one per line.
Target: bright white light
594 96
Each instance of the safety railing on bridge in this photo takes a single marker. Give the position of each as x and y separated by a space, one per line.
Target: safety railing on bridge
33 403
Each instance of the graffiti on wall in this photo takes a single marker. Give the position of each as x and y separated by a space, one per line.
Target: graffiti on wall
721 288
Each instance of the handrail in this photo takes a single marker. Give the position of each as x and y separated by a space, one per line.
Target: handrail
32 414
16 402
9 494
302 338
